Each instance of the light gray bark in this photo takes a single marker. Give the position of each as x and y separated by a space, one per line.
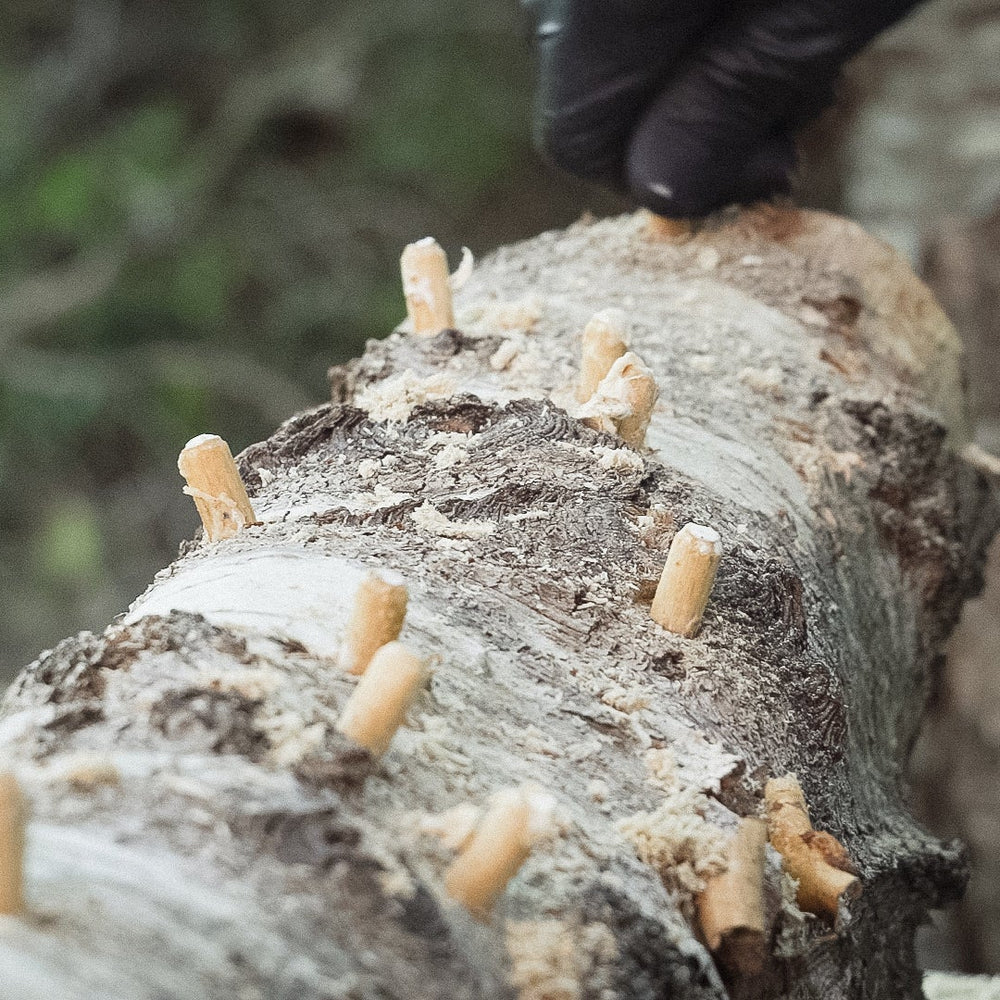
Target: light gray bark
942 986
809 411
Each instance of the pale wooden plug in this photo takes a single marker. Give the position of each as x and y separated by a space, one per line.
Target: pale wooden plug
658 228
378 705
604 342
817 860
214 482
731 907
623 401
13 819
503 841
427 287
379 611
687 579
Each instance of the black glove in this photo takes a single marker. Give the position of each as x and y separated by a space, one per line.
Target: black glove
692 104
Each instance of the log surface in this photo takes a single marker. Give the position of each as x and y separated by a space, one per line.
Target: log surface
202 831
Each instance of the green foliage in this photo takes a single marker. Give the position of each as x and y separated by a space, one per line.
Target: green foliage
70 196
68 544
180 405
200 285
148 145
440 107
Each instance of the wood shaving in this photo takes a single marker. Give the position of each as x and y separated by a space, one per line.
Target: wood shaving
618 458
397 883
453 827
381 496
464 270
598 789
255 684
626 700
430 519
555 960
662 768
981 459
450 455
521 314
85 772
679 843
291 738
708 258
616 405
765 382
534 740
843 463
394 399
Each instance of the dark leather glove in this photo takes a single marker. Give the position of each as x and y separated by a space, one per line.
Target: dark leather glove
692 104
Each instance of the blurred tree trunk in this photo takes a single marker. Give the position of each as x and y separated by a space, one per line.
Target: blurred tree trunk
201 829
957 768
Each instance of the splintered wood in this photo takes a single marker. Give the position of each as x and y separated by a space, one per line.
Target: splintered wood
604 342
427 287
214 482
13 817
816 860
731 909
378 705
379 611
502 842
623 401
687 579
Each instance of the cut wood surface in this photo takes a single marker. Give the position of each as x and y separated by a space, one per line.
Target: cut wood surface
202 829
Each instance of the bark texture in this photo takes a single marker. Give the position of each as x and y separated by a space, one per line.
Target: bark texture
202 831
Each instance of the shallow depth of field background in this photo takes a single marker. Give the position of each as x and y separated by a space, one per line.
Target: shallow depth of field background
202 207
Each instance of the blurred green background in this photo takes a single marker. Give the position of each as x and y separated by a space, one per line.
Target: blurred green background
201 208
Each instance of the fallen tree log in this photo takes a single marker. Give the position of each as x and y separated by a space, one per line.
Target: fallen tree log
201 829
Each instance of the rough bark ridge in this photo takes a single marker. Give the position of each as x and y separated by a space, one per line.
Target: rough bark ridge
201 830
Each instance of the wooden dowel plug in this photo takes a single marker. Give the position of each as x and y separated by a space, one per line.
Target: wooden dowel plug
731 909
215 484
427 287
661 229
604 342
378 705
379 610
817 860
640 397
623 401
502 843
687 579
13 818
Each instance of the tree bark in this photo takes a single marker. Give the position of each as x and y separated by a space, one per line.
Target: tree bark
201 830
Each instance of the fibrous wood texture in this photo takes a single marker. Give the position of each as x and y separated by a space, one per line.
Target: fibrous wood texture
202 830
